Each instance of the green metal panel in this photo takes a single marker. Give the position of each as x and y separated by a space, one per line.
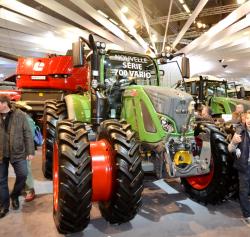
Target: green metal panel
221 105
132 112
79 107
244 102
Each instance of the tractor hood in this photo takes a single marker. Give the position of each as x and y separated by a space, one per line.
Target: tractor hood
227 105
171 102
246 103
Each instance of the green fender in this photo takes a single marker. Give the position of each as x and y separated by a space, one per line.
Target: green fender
78 107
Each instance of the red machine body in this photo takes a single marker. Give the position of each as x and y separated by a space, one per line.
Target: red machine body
54 72
50 78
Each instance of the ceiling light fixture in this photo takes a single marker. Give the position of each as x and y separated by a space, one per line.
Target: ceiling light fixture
240 1
124 9
132 22
49 34
102 13
113 21
199 24
132 31
123 28
154 38
186 8
168 48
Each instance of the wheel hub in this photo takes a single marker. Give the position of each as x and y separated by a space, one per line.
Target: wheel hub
102 155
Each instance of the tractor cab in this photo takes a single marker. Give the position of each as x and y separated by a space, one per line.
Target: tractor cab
206 86
123 69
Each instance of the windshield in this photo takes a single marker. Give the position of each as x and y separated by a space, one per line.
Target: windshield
133 68
210 88
172 75
215 88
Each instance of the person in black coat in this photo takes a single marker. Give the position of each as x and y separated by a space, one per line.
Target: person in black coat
240 148
16 147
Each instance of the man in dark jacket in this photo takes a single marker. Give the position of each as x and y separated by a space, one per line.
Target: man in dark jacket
16 147
239 146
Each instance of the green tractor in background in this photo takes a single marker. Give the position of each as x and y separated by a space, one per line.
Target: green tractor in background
213 92
126 124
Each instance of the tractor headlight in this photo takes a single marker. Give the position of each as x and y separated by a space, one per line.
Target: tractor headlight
103 45
98 44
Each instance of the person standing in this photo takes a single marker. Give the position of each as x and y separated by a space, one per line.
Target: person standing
16 147
240 147
205 114
29 185
29 190
236 115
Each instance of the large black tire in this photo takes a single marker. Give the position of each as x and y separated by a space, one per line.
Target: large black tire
54 111
126 198
223 179
74 178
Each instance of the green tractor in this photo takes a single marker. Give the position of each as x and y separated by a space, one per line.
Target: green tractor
126 124
213 92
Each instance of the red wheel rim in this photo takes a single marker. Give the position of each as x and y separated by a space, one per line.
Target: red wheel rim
102 155
55 176
202 181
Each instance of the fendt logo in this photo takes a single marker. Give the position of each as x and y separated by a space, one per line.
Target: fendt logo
38 66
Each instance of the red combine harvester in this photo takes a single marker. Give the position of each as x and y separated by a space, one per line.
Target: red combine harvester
41 79
9 89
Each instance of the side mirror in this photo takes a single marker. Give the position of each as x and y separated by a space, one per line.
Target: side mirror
78 53
242 92
193 88
185 69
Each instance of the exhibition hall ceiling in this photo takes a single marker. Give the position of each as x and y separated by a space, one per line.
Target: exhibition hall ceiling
34 28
